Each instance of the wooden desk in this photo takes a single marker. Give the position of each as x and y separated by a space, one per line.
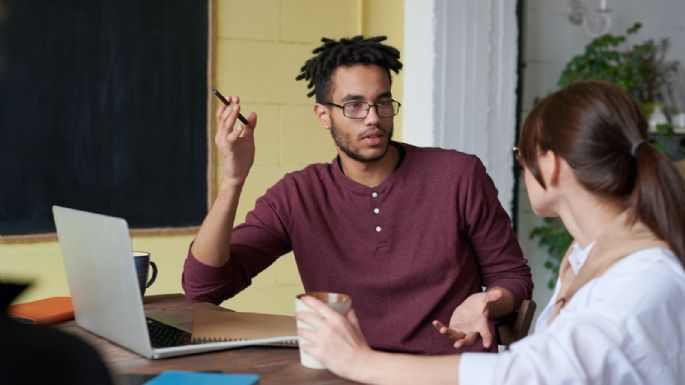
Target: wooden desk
274 365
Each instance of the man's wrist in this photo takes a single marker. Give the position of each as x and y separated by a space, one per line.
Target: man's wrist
231 185
503 305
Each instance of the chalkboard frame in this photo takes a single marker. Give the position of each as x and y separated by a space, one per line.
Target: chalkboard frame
211 154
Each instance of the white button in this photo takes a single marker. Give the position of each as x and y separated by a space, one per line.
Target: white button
376 210
374 194
378 229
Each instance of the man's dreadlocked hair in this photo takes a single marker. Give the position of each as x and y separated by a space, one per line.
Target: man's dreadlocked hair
346 52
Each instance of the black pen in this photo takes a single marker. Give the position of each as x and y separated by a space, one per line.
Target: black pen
226 103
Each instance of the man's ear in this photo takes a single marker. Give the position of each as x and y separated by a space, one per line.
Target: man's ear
323 114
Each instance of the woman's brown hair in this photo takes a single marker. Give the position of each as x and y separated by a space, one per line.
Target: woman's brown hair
601 132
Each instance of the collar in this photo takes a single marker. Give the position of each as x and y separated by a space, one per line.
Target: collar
620 239
400 159
578 256
400 170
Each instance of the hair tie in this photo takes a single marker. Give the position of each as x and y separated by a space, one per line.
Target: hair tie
635 145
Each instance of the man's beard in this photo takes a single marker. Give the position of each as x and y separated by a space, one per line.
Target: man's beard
344 147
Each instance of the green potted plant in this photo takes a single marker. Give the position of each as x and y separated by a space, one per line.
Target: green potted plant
640 69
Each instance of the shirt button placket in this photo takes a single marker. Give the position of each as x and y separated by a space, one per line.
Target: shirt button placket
376 210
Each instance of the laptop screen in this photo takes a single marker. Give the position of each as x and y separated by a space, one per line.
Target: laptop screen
101 276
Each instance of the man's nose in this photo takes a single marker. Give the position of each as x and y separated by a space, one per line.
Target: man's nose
372 117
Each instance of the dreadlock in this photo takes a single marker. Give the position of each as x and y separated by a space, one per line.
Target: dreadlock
346 52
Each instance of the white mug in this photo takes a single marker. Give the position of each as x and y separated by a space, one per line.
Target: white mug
341 303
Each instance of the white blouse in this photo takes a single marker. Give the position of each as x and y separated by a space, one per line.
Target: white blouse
625 327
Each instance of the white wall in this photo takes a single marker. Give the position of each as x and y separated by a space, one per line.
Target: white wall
550 40
460 81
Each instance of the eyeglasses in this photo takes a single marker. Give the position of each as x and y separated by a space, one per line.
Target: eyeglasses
518 157
360 110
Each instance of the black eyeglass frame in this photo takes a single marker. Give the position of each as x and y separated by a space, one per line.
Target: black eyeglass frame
395 108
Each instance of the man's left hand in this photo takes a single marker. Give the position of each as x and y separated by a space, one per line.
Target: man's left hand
470 319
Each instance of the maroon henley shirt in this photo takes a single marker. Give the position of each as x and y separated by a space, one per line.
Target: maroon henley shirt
407 251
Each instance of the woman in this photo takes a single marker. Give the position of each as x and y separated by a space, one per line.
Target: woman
617 315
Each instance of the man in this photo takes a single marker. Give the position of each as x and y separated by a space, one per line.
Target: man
411 234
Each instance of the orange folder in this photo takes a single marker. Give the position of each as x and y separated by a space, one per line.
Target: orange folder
43 311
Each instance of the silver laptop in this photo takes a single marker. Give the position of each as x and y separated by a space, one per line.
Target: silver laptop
104 288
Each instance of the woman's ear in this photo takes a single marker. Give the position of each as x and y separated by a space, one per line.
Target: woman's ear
565 171
550 167
323 114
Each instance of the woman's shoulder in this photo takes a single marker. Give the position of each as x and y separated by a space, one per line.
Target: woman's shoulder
643 281
651 265
632 294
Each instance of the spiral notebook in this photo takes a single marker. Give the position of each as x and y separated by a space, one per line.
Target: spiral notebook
217 325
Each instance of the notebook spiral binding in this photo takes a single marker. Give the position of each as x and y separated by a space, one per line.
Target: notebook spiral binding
288 343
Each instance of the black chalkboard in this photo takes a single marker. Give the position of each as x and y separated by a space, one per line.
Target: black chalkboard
103 107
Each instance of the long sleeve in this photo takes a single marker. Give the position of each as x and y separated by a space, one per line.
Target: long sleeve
492 238
255 245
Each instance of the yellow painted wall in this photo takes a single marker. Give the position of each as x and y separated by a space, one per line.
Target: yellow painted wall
261 45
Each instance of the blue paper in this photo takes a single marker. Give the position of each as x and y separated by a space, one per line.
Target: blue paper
175 377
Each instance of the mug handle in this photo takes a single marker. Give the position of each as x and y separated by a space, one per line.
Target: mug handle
154 275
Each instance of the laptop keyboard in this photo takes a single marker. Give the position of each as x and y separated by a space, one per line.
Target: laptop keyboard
164 336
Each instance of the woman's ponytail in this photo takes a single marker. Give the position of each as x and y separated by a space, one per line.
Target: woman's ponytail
658 197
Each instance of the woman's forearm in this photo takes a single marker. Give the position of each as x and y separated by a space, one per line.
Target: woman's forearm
397 369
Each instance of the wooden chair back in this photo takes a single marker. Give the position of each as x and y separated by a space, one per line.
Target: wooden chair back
517 325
